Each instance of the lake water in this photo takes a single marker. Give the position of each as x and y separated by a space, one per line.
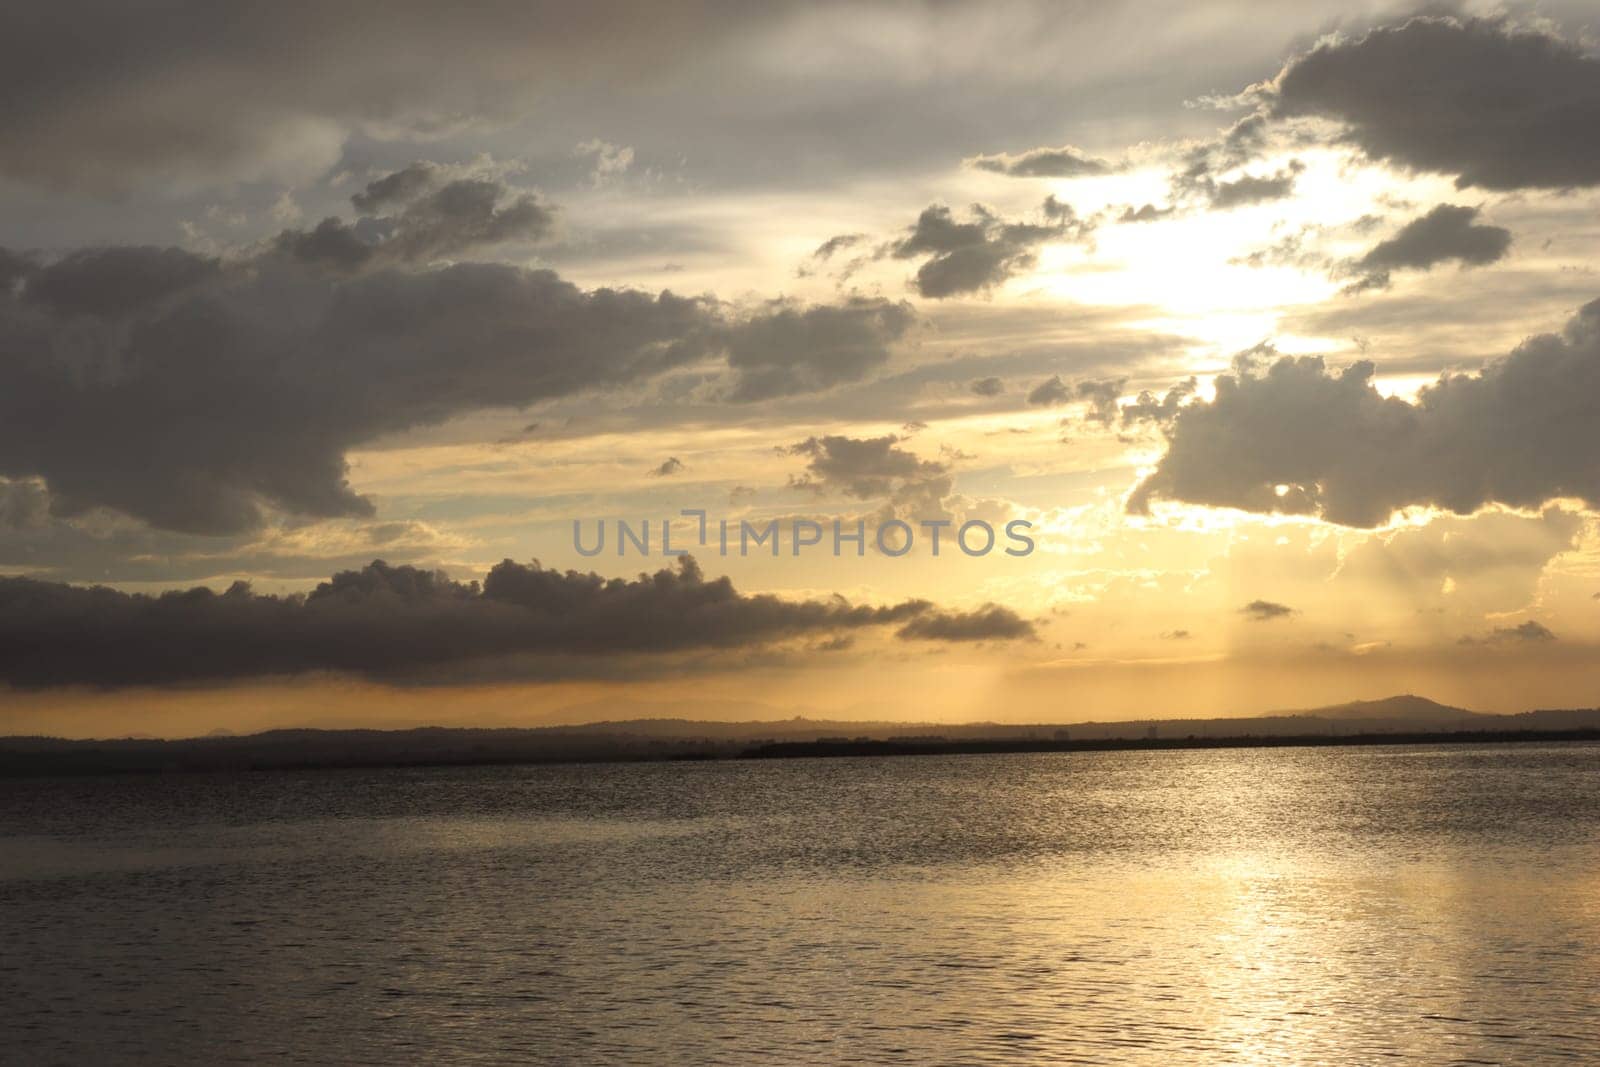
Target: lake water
1347 905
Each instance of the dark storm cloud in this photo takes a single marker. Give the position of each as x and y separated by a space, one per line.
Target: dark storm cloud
906 486
400 187
194 394
670 466
1063 162
1446 234
1300 439
1495 105
112 548
397 624
788 349
463 214
332 243
864 468
114 281
990 386
988 623
196 411
433 219
1101 396
100 95
1265 611
192 397
14 266
24 505
110 96
968 257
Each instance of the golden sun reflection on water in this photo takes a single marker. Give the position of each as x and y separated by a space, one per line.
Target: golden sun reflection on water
1212 907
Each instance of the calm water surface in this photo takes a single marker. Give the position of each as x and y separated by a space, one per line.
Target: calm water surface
1353 905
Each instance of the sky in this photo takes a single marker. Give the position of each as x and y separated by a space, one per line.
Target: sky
1265 342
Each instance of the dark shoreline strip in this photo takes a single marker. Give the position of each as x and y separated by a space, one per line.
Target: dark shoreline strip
39 758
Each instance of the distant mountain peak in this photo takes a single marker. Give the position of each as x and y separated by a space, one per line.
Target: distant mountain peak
1407 706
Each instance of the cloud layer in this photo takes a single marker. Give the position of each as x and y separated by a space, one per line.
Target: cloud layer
398 623
1496 106
1448 233
875 468
1063 162
788 348
988 623
417 214
196 408
104 95
1301 439
969 257
195 393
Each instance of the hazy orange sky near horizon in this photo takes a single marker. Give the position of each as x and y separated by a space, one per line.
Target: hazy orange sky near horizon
1291 368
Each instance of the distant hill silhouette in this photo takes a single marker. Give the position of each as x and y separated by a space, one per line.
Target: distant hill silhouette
1406 708
1397 718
